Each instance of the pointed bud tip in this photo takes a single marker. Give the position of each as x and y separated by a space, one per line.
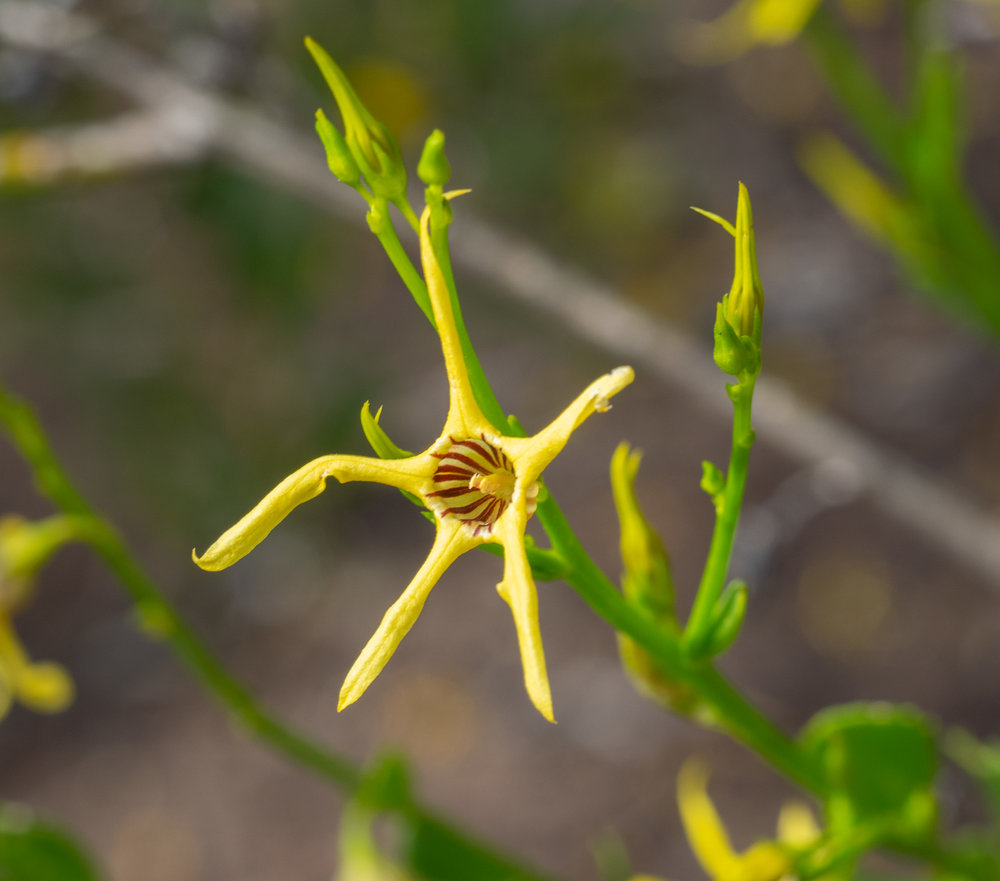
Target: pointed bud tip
434 169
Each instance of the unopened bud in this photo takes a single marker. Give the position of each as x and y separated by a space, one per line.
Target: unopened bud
434 169
370 143
338 154
745 301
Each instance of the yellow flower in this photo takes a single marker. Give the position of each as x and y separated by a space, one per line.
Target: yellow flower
750 23
744 25
480 485
763 861
24 547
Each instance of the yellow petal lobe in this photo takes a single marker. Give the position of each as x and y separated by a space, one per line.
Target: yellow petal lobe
301 486
519 592
531 455
464 416
449 543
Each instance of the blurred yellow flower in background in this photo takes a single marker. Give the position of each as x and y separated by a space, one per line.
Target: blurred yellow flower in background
25 546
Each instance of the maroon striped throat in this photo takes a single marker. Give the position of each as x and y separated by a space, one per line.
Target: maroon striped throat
474 482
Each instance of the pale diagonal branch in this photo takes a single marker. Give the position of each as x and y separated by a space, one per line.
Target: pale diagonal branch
935 511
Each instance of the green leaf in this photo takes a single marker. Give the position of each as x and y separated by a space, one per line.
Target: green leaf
880 761
437 852
33 850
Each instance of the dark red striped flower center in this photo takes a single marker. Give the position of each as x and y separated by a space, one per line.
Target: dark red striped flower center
474 482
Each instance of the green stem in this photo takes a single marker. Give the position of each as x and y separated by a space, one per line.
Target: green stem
414 281
159 616
732 710
856 86
713 578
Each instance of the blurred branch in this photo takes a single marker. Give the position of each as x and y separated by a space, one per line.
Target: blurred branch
125 143
593 310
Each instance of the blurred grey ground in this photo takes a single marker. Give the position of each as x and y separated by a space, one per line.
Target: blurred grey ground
191 335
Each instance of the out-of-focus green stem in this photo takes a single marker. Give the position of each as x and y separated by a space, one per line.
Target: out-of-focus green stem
27 435
856 86
727 517
158 614
958 255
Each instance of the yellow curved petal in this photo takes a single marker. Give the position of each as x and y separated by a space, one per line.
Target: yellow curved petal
305 484
705 832
450 542
518 591
464 416
531 455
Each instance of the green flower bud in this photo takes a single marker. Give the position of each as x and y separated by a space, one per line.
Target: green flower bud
729 615
646 577
738 316
370 143
338 154
434 168
745 302
646 581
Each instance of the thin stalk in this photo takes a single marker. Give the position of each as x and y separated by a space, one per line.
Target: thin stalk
734 713
856 87
413 280
727 517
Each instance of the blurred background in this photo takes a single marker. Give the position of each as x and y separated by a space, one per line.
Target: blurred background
192 328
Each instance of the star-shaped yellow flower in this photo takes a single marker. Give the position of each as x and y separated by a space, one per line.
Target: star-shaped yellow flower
480 485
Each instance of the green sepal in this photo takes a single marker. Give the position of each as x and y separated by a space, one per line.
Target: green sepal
441 213
879 761
338 154
729 614
713 482
376 436
434 168
735 355
386 449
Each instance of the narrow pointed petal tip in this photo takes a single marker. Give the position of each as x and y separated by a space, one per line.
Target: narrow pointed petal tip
609 385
